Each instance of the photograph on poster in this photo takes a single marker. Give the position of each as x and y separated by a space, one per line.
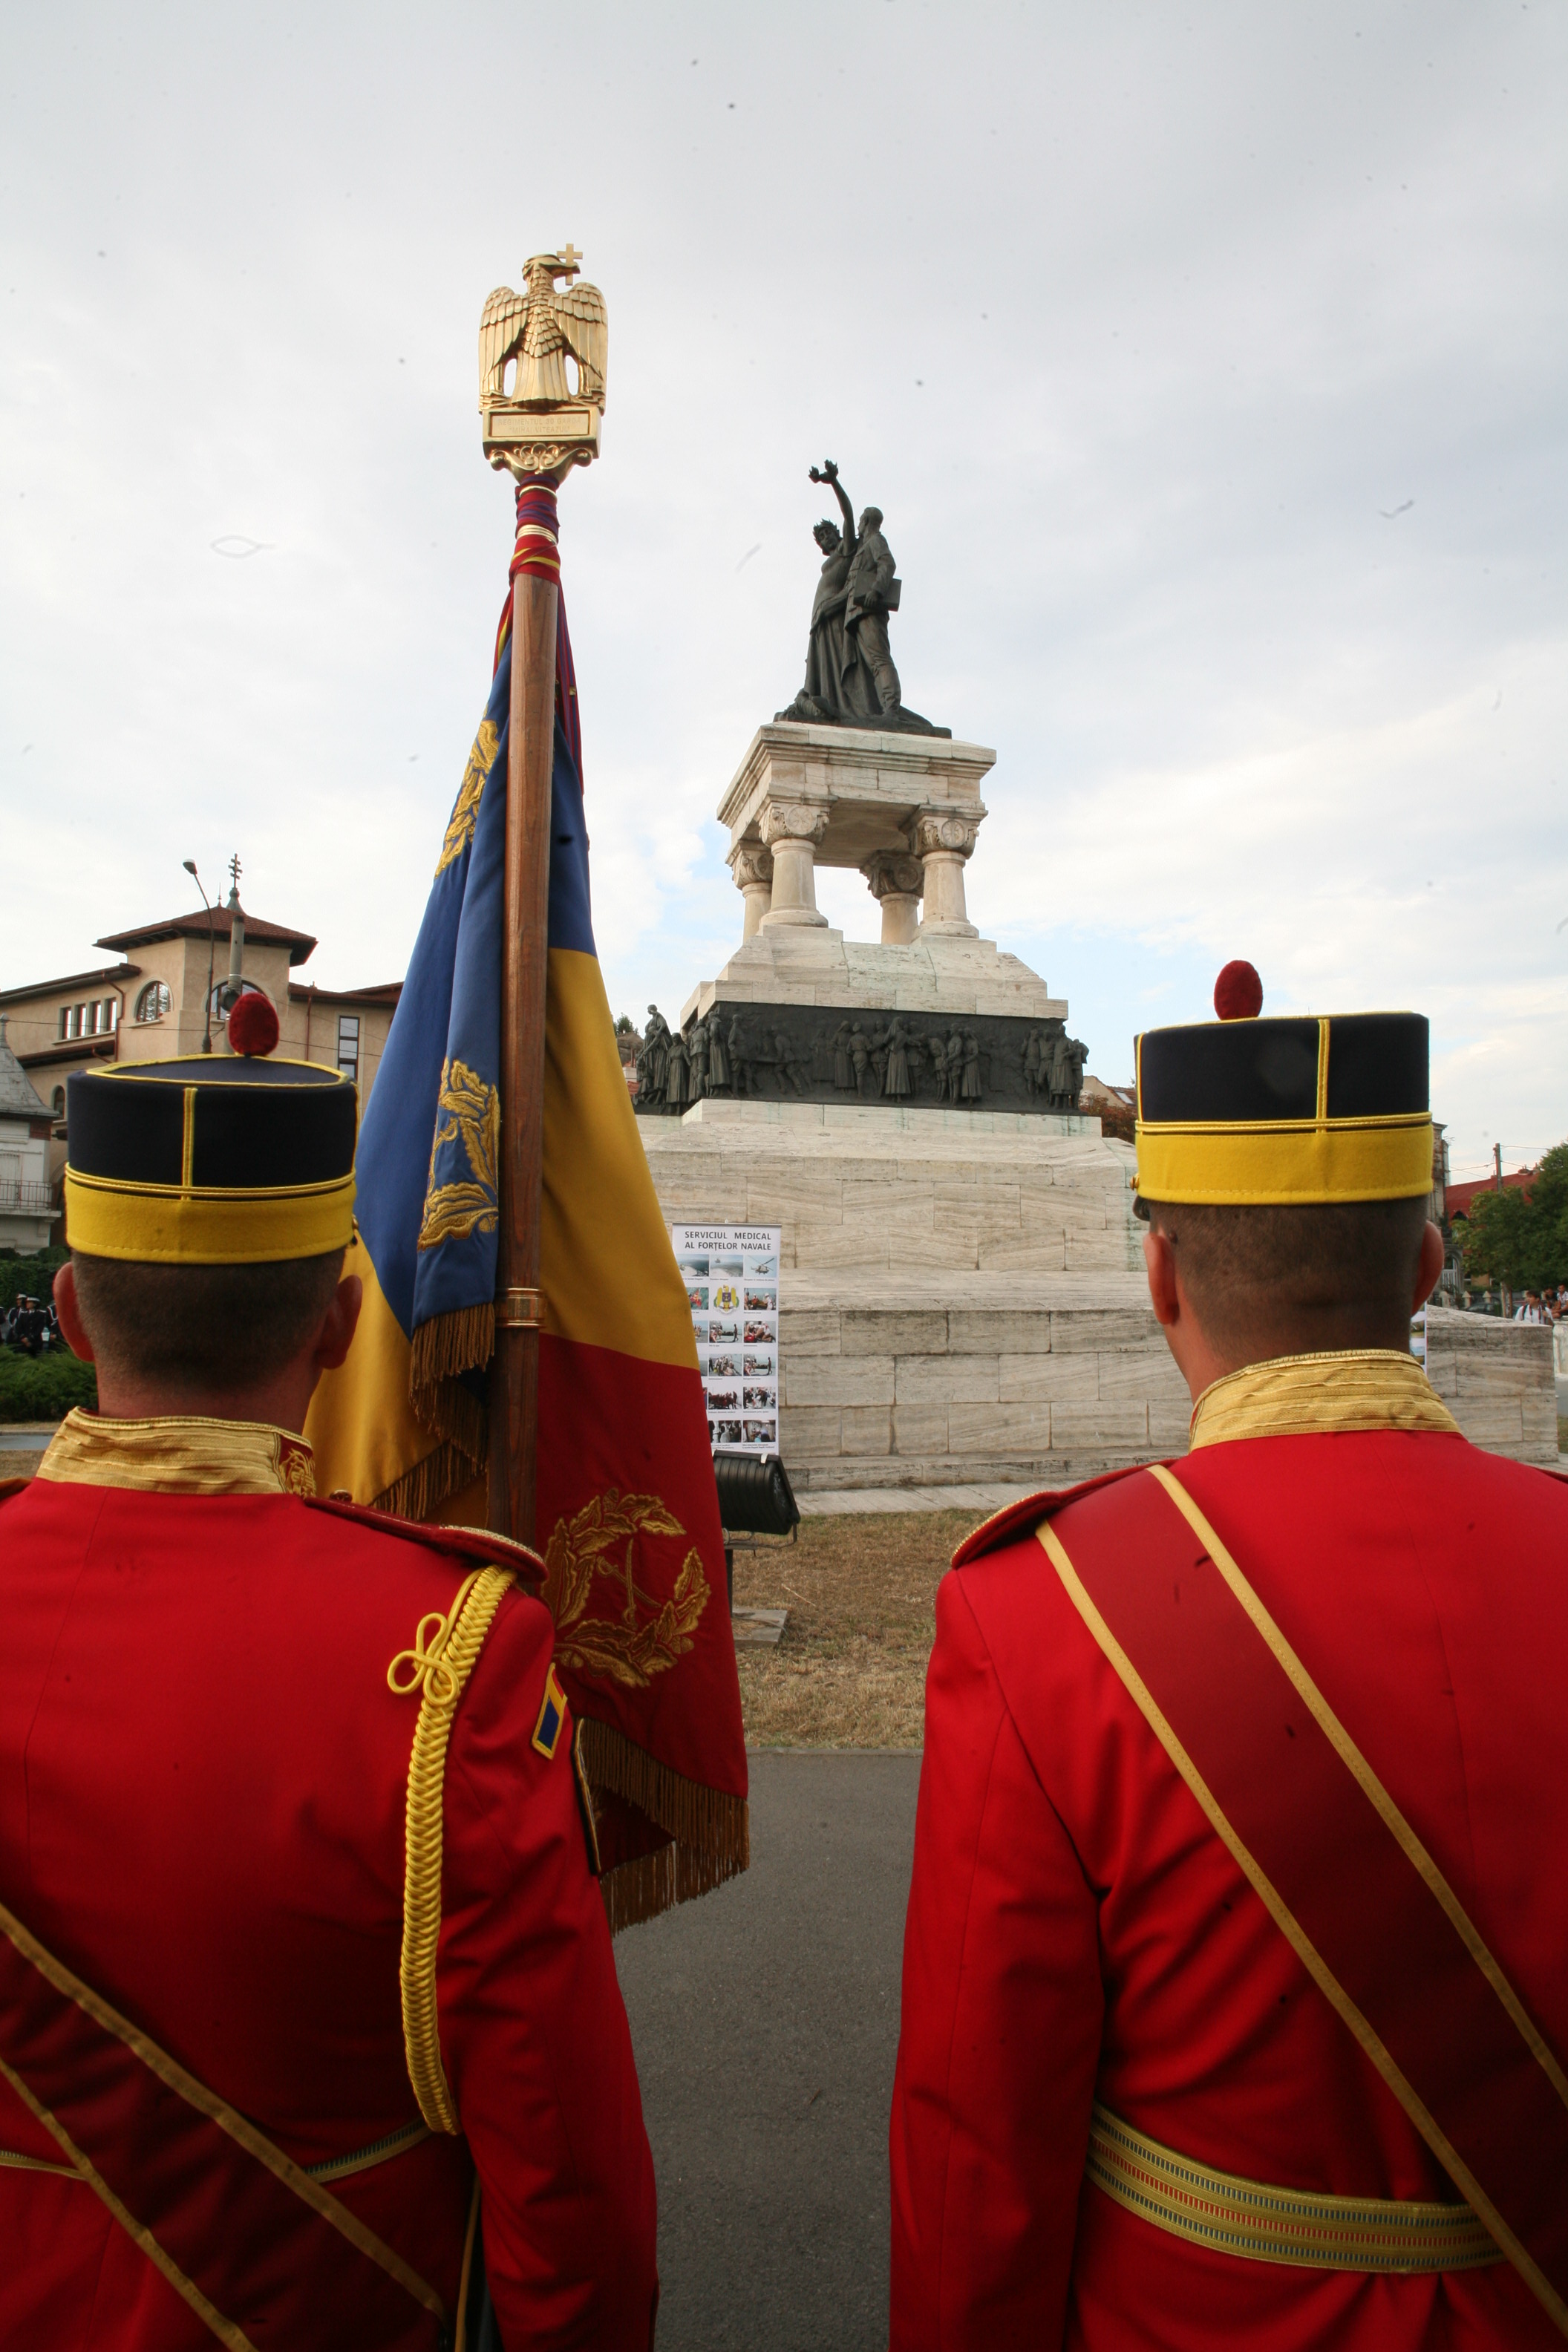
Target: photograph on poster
731 1272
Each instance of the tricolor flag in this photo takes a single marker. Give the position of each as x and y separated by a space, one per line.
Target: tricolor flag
628 1515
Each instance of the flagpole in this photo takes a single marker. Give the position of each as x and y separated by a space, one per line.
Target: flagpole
531 748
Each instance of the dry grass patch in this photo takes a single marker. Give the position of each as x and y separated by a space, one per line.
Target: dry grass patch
861 1590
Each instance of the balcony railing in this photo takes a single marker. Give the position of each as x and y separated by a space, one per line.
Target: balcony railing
31 1200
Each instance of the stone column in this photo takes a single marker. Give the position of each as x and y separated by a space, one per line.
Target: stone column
894 881
945 843
792 831
752 868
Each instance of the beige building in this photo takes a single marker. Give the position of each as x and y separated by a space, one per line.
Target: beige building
152 1004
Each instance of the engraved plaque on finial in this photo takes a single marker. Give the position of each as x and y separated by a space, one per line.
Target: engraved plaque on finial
534 419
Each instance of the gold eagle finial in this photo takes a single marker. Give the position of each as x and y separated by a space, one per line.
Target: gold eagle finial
540 422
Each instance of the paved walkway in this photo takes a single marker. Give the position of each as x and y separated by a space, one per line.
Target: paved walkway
980 1500
766 2019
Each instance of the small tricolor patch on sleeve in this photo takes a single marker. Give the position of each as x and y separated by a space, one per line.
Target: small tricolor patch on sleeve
551 1716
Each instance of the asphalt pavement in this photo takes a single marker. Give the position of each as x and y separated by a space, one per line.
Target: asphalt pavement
766 2019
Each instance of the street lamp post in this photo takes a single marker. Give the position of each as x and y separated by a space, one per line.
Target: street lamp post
190 866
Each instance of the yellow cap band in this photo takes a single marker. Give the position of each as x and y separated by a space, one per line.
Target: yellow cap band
1359 1159
156 1223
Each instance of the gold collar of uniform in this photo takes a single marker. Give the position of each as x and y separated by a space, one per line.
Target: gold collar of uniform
179 1455
1308 1396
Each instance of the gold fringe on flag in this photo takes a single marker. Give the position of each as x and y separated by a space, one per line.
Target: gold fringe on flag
442 1351
712 1830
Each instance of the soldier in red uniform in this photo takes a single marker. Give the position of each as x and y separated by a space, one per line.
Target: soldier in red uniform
299 1943
1236 1976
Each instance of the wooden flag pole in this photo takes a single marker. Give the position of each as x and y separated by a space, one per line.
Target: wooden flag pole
537 430
530 755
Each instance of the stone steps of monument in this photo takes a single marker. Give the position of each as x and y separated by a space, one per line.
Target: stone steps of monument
881 1197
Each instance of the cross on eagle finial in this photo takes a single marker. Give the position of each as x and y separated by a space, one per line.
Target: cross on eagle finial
569 257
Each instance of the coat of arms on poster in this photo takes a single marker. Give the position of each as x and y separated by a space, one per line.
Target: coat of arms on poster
732 1278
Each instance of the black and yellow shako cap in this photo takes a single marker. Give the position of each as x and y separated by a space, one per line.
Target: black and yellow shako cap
210 1161
1257 1112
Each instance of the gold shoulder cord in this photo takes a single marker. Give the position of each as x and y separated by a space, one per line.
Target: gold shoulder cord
437 1667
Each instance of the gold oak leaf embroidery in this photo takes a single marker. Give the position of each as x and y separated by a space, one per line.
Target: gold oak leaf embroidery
466 808
647 1637
469 1114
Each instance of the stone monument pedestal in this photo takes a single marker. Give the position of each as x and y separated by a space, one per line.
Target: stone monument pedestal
905 808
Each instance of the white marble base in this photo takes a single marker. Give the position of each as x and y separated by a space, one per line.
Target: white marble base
934 974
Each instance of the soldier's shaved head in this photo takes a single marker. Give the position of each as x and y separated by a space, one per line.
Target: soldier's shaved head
202 1328
1336 1274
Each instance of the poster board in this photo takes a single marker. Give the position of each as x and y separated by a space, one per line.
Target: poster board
732 1278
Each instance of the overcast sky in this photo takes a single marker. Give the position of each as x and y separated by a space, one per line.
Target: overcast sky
1210 364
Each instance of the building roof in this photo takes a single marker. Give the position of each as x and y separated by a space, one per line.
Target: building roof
19 1098
381 992
100 1048
257 932
1456 1198
107 971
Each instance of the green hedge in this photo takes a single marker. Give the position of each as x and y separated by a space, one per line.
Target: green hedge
43 1388
28 1277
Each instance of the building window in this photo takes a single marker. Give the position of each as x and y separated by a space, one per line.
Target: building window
348 1045
151 1006
65 1018
108 1016
58 1102
220 1012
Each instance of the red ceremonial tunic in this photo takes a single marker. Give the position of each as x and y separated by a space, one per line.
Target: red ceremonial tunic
203 1776
1078 1931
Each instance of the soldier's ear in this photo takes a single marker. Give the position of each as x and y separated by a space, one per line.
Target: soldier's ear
337 1325
1159 1260
72 1329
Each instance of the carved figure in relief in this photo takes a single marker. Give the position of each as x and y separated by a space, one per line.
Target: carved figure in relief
1032 1063
650 1063
1061 1068
896 1081
675 1070
972 1088
859 1056
788 1063
1077 1054
717 1060
843 1074
697 1061
735 1052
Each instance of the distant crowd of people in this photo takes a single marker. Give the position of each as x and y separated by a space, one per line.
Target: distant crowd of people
1548 1305
29 1324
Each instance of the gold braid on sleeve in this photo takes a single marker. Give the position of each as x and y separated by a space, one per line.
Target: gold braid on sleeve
437 1667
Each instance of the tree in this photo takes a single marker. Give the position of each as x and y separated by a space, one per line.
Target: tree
1520 1237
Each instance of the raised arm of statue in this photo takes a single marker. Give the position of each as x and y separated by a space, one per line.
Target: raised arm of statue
828 472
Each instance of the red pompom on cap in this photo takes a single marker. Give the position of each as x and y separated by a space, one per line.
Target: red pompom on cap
1238 992
253 1024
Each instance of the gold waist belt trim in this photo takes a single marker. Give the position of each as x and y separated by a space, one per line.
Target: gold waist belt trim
1262 2224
